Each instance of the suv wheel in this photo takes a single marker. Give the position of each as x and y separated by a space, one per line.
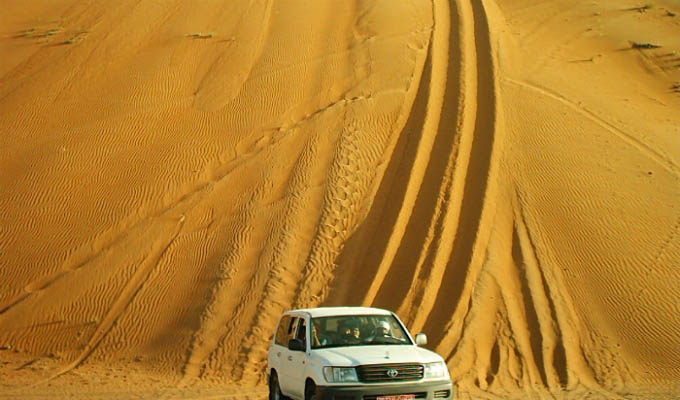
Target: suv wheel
310 391
274 389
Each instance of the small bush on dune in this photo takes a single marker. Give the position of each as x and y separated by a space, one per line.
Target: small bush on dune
28 32
199 35
643 8
640 45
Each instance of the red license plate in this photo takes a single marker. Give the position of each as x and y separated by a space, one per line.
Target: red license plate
398 397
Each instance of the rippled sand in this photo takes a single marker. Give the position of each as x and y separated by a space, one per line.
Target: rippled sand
503 174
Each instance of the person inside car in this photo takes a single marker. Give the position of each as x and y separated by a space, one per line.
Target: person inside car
382 330
350 334
318 340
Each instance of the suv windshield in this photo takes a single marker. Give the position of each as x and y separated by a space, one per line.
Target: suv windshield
357 330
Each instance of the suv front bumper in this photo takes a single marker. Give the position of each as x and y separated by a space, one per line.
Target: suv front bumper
422 391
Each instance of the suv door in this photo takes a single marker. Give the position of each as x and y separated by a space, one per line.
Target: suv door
294 362
286 357
279 343
300 358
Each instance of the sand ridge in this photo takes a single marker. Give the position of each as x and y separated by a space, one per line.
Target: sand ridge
503 174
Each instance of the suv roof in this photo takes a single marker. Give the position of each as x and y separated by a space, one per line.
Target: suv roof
331 311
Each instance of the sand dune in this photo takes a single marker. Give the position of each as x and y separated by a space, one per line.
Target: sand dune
503 174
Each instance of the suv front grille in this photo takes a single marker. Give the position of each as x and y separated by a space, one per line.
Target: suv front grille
390 372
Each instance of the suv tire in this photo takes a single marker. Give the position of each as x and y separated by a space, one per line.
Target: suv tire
310 391
274 389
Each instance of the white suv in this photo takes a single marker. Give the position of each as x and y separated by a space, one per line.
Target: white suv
352 353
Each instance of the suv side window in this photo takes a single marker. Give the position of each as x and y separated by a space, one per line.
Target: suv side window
291 329
302 331
282 331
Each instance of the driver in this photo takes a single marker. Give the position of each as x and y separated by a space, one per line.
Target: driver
381 330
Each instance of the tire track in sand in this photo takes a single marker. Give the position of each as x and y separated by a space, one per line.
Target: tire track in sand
468 168
439 63
474 318
449 172
476 213
455 243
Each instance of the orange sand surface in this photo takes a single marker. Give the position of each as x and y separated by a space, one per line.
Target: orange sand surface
504 174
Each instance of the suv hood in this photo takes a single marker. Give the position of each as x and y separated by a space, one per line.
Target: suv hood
374 354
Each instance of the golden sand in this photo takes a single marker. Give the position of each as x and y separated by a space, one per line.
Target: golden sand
503 174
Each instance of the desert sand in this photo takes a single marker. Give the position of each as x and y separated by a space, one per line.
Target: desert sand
504 174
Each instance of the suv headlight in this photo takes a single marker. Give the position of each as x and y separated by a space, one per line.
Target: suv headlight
436 370
340 374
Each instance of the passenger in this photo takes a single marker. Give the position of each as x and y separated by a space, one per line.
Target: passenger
318 340
350 334
356 333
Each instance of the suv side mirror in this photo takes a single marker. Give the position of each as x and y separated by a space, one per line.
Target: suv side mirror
296 345
421 339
